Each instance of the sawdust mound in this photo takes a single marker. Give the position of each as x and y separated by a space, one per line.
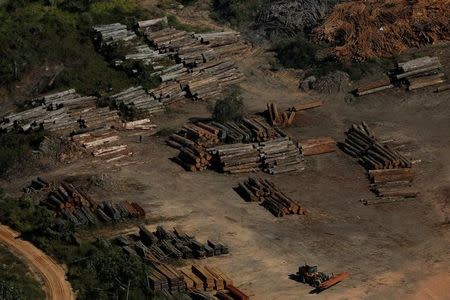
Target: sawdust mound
335 82
359 30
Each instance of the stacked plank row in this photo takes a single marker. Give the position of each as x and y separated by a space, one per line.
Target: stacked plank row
280 155
106 35
103 144
421 72
362 144
236 158
192 141
136 100
278 119
80 209
263 191
163 244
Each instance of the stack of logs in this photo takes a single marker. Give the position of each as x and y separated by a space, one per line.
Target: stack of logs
362 144
136 101
36 185
318 146
278 119
149 25
263 191
236 158
106 35
62 113
192 141
168 93
280 155
417 73
162 245
421 72
390 173
102 143
80 209
142 124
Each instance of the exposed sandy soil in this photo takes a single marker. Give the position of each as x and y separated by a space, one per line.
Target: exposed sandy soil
52 274
393 251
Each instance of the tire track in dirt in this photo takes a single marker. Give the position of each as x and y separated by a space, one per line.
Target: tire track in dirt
53 275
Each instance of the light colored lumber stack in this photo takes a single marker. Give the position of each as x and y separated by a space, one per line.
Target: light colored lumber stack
112 33
280 155
237 158
143 124
318 146
136 100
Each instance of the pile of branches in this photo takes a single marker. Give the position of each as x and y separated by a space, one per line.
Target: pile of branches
359 30
287 17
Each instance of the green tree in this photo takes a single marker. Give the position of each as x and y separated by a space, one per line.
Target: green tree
230 107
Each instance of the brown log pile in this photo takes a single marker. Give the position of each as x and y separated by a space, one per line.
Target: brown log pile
359 30
390 173
192 141
361 143
317 146
280 155
72 204
270 196
309 104
283 119
374 87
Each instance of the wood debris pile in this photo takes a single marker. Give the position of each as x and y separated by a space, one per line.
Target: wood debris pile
106 35
80 209
102 143
163 244
318 146
62 113
415 74
136 101
261 190
391 173
359 30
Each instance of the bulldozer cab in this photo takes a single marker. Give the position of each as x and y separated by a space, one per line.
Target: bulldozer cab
312 269
306 269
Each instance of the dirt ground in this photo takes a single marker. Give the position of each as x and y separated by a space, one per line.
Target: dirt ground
391 251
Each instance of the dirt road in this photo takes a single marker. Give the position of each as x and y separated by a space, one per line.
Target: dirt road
53 275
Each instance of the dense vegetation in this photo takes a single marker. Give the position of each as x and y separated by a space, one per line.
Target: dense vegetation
230 107
35 33
15 281
97 270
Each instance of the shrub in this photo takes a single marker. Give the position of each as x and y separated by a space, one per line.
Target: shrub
230 107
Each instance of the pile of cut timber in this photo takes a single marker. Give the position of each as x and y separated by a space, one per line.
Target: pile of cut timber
62 113
279 119
144 54
361 143
223 44
162 244
236 158
317 146
192 141
280 155
102 143
165 279
136 101
77 207
421 72
263 191
168 93
390 173
307 105
143 124
106 35
149 25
